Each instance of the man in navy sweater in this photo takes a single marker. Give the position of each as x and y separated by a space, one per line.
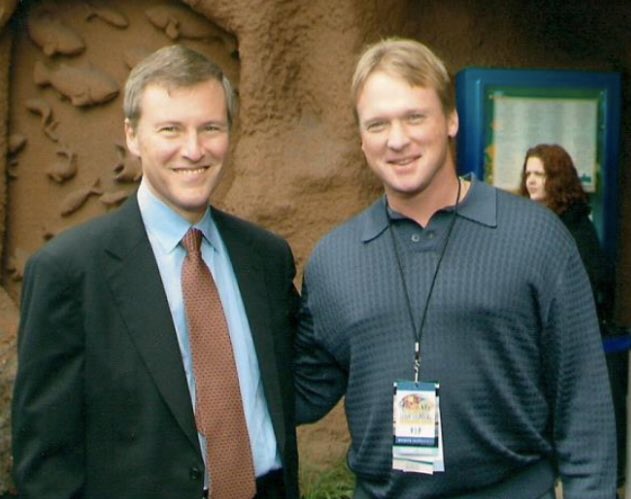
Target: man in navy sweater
470 304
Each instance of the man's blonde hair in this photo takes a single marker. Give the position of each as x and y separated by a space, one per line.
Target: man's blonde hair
407 59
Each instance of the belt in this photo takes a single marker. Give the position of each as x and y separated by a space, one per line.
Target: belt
269 485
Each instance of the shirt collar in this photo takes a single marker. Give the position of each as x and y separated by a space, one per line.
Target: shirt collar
168 227
479 205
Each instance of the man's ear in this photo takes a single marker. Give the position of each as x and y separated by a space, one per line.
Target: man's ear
131 138
452 124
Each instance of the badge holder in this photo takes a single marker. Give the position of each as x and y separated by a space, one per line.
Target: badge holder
417 441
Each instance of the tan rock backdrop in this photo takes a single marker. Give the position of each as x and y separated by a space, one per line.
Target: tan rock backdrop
296 165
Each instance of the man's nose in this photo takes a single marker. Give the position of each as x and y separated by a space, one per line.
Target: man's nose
397 136
192 148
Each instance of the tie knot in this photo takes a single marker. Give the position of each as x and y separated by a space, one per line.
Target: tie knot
192 240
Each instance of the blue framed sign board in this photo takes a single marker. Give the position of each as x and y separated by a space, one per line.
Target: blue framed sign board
504 112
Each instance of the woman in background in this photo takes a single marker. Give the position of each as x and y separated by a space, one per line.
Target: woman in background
549 177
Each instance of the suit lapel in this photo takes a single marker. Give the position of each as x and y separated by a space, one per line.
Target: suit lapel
137 288
249 270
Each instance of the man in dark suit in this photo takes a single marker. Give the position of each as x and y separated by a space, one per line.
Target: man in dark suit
104 404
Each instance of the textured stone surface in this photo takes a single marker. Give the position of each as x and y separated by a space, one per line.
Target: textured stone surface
8 364
296 165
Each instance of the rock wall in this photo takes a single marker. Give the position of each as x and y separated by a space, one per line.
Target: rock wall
296 163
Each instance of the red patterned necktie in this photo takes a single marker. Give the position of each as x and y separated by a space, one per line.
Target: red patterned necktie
219 409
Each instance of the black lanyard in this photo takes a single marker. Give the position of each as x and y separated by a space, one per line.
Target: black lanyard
417 333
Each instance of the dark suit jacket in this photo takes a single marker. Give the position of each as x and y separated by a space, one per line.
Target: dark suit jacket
101 407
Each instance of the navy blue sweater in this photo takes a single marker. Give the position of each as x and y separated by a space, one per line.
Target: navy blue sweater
511 336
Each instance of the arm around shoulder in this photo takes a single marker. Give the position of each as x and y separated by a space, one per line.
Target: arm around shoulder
319 380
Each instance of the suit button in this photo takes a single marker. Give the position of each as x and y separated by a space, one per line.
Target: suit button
195 473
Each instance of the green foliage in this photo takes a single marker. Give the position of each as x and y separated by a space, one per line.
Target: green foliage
337 482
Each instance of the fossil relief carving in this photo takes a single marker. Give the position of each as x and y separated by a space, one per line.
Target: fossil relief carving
182 22
114 198
42 108
134 55
50 34
63 169
83 86
108 15
75 200
15 144
16 264
49 231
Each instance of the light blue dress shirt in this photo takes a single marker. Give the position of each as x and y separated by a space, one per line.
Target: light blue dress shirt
165 229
